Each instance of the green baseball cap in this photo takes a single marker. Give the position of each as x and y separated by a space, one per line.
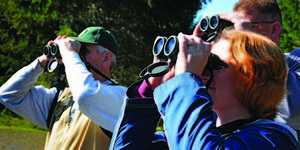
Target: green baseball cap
99 36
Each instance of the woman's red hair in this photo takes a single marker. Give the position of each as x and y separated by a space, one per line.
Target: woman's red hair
260 69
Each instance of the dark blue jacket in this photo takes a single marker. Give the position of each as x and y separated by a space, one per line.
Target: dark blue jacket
190 123
289 109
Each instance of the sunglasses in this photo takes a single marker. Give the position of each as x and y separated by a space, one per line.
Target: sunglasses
254 24
214 63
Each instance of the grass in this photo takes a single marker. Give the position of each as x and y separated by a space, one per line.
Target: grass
13 139
18 133
8 120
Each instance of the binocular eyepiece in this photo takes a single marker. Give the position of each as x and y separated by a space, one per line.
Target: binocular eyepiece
168 48
165 48
51 51
214 23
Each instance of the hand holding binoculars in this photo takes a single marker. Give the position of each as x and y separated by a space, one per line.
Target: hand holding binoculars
211 27
168 48
213 23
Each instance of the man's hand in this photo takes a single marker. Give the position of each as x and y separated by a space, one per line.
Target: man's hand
240 22
67 45
43 60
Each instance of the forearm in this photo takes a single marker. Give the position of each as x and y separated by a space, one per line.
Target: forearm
98 101
187 109
19 95
20 83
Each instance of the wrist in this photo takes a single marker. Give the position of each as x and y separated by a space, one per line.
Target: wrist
145 89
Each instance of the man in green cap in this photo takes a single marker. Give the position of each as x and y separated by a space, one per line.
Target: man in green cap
85 114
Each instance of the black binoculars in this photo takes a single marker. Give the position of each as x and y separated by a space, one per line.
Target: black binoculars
213 23
163 48
166 47
52 51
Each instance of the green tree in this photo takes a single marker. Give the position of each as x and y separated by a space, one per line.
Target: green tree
290 34
27 25
136 24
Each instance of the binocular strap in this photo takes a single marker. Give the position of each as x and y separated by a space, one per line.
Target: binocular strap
209 81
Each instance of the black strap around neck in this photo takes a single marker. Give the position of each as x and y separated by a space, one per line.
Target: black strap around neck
234 125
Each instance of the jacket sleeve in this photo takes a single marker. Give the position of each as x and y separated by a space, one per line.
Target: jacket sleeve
100 102
289 109
188 117
138 122
21 96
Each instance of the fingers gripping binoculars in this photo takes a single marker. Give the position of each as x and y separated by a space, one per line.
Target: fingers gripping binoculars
52 52
167 49
213 23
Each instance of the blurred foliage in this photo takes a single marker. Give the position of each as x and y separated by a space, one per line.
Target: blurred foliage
9 119
27 25
290 34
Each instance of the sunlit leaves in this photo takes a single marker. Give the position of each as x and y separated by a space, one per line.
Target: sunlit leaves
290 38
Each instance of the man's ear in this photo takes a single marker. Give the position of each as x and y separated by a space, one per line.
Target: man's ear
275 33
107 58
